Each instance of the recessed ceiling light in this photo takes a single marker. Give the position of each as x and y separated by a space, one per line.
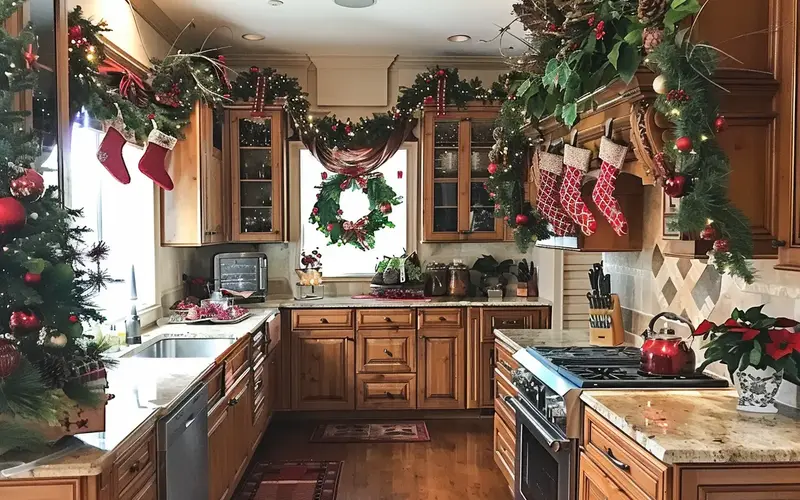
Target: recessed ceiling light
459 38
253 37
355 4
275 3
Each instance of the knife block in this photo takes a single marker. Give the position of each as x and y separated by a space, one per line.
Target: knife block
608 337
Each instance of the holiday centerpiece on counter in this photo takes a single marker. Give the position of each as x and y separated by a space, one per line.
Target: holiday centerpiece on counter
309 276
398 278
759 352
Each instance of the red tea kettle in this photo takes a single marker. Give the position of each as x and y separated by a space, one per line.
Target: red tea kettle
664 353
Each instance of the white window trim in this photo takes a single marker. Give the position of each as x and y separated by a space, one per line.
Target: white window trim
412 203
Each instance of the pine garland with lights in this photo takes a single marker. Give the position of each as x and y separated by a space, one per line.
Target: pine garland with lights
46 291
691 105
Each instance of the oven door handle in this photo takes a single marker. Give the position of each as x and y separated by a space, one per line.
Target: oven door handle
556 443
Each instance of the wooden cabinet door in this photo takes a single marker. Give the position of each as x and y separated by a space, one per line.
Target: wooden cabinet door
241 429
212 186
272 384
323 369
219 472
441 366
486 370
593 484
769 481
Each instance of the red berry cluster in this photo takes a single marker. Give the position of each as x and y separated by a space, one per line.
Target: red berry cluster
551 27
600 30
679 95
591 21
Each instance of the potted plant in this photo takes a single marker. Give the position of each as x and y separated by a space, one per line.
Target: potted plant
759 352
527 285
492 273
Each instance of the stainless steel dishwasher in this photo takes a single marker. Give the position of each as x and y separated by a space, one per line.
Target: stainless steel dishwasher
183 449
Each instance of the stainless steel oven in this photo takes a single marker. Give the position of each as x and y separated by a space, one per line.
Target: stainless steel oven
546 458
242 276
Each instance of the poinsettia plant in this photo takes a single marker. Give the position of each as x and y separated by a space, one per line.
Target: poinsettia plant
751 338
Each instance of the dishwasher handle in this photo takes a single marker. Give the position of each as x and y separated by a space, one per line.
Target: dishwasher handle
185 415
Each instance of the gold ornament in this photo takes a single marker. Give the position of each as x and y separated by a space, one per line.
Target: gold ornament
58 340
660 85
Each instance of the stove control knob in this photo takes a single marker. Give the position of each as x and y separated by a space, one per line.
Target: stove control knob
556 446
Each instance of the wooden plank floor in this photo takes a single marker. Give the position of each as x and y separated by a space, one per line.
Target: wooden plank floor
456 464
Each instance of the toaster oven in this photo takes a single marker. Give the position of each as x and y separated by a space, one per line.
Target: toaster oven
242 276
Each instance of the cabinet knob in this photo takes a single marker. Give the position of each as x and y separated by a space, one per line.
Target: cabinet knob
442 318
324 321
387 319
135 467
778 243
422 337
388 353
389 395
233 402
259 385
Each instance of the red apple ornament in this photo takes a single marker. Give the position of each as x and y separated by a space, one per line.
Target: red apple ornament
722 246
684 144
29 186
708 233
492 168
12 215
720 124
675 186
521 219
329 227
24 322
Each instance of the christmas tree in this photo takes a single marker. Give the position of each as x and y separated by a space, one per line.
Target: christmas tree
47 365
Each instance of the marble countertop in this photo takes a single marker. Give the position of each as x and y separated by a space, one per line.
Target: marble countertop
288 302
517 339
144 389
699 426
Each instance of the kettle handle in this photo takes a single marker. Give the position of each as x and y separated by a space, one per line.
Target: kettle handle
673 317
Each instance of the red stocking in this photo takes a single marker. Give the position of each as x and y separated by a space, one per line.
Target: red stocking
613 156
153 162
576 164
110 152
547 201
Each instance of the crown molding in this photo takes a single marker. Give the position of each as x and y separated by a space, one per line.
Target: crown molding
400 62
156 18
352 62
460 62
238 59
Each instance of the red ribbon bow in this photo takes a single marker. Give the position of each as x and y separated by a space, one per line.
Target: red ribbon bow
357 230
130 85
32 59
360 180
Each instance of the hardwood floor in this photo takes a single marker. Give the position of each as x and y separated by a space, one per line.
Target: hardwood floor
456 464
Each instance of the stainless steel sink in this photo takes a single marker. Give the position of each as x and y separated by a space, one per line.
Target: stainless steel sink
184 348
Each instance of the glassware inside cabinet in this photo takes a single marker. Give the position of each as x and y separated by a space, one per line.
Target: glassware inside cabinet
446 166
481 205
255 175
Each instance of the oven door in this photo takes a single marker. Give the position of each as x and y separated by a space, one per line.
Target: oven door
545 456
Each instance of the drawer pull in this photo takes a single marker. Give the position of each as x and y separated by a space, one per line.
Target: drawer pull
389 395
259 385
233 402
324 321
504 365
388 353
620 465
387 319
135 467
442 318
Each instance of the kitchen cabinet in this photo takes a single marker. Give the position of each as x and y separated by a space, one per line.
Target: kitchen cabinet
441 363
505 421
323 368
197 211
256 146
593 484
456 145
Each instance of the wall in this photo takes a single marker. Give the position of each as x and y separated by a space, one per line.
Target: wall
170 262
649 282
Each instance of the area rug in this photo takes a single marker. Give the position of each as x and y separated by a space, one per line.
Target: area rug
394 432
291 480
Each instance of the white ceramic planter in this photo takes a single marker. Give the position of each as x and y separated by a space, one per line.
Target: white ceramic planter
757 389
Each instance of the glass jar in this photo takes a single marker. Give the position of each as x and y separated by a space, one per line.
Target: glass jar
459 279
437 274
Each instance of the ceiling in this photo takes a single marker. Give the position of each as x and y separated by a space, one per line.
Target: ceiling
320 27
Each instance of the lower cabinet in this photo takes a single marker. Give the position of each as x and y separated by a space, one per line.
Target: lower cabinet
229 439
386 391
441 368
505 420
323 364
594 484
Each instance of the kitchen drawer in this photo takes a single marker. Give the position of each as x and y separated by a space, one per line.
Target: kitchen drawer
502 389
258 389
135 466
443 317
382 351
505 448
385 318
319 319
273 329
236 363
149 491
257 346
512 318
504 360
622 459
216 386
392 391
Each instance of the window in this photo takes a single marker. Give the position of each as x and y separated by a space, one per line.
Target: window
121 215
348 261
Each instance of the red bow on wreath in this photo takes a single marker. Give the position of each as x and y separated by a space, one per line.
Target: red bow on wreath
357 230
360 180
32 59
131 87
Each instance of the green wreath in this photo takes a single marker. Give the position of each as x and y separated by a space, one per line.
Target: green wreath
327 214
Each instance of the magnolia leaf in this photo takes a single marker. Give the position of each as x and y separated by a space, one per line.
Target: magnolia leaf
569 114
613 56
628 63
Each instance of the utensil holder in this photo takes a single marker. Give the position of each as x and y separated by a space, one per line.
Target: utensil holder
608 337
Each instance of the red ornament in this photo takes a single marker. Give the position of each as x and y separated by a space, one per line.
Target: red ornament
254 69
684 144
708 233
329 227
339 212
23 322
428 100
334 127
315 210
9 358
492 195
348 129
73 318
12 215
492 168
386 208
720 124
29 186
75 33
151 116
521 219
32 278
399 174
441 73
324 175
675 186
722 246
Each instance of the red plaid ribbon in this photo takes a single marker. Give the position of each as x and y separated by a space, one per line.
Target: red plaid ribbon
360 180
356 230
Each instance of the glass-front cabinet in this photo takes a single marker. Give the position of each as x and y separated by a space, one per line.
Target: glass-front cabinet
257 156
456 148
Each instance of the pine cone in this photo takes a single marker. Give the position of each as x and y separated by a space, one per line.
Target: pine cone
391 276
54 371
652 11
652 38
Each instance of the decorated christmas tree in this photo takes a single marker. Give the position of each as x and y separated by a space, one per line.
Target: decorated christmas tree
47 366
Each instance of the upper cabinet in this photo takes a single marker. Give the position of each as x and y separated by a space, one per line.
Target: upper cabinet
197 211
256 147
456 145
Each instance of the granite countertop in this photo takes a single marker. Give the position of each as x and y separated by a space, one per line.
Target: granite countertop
517 339
288 302
144 389
699 426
